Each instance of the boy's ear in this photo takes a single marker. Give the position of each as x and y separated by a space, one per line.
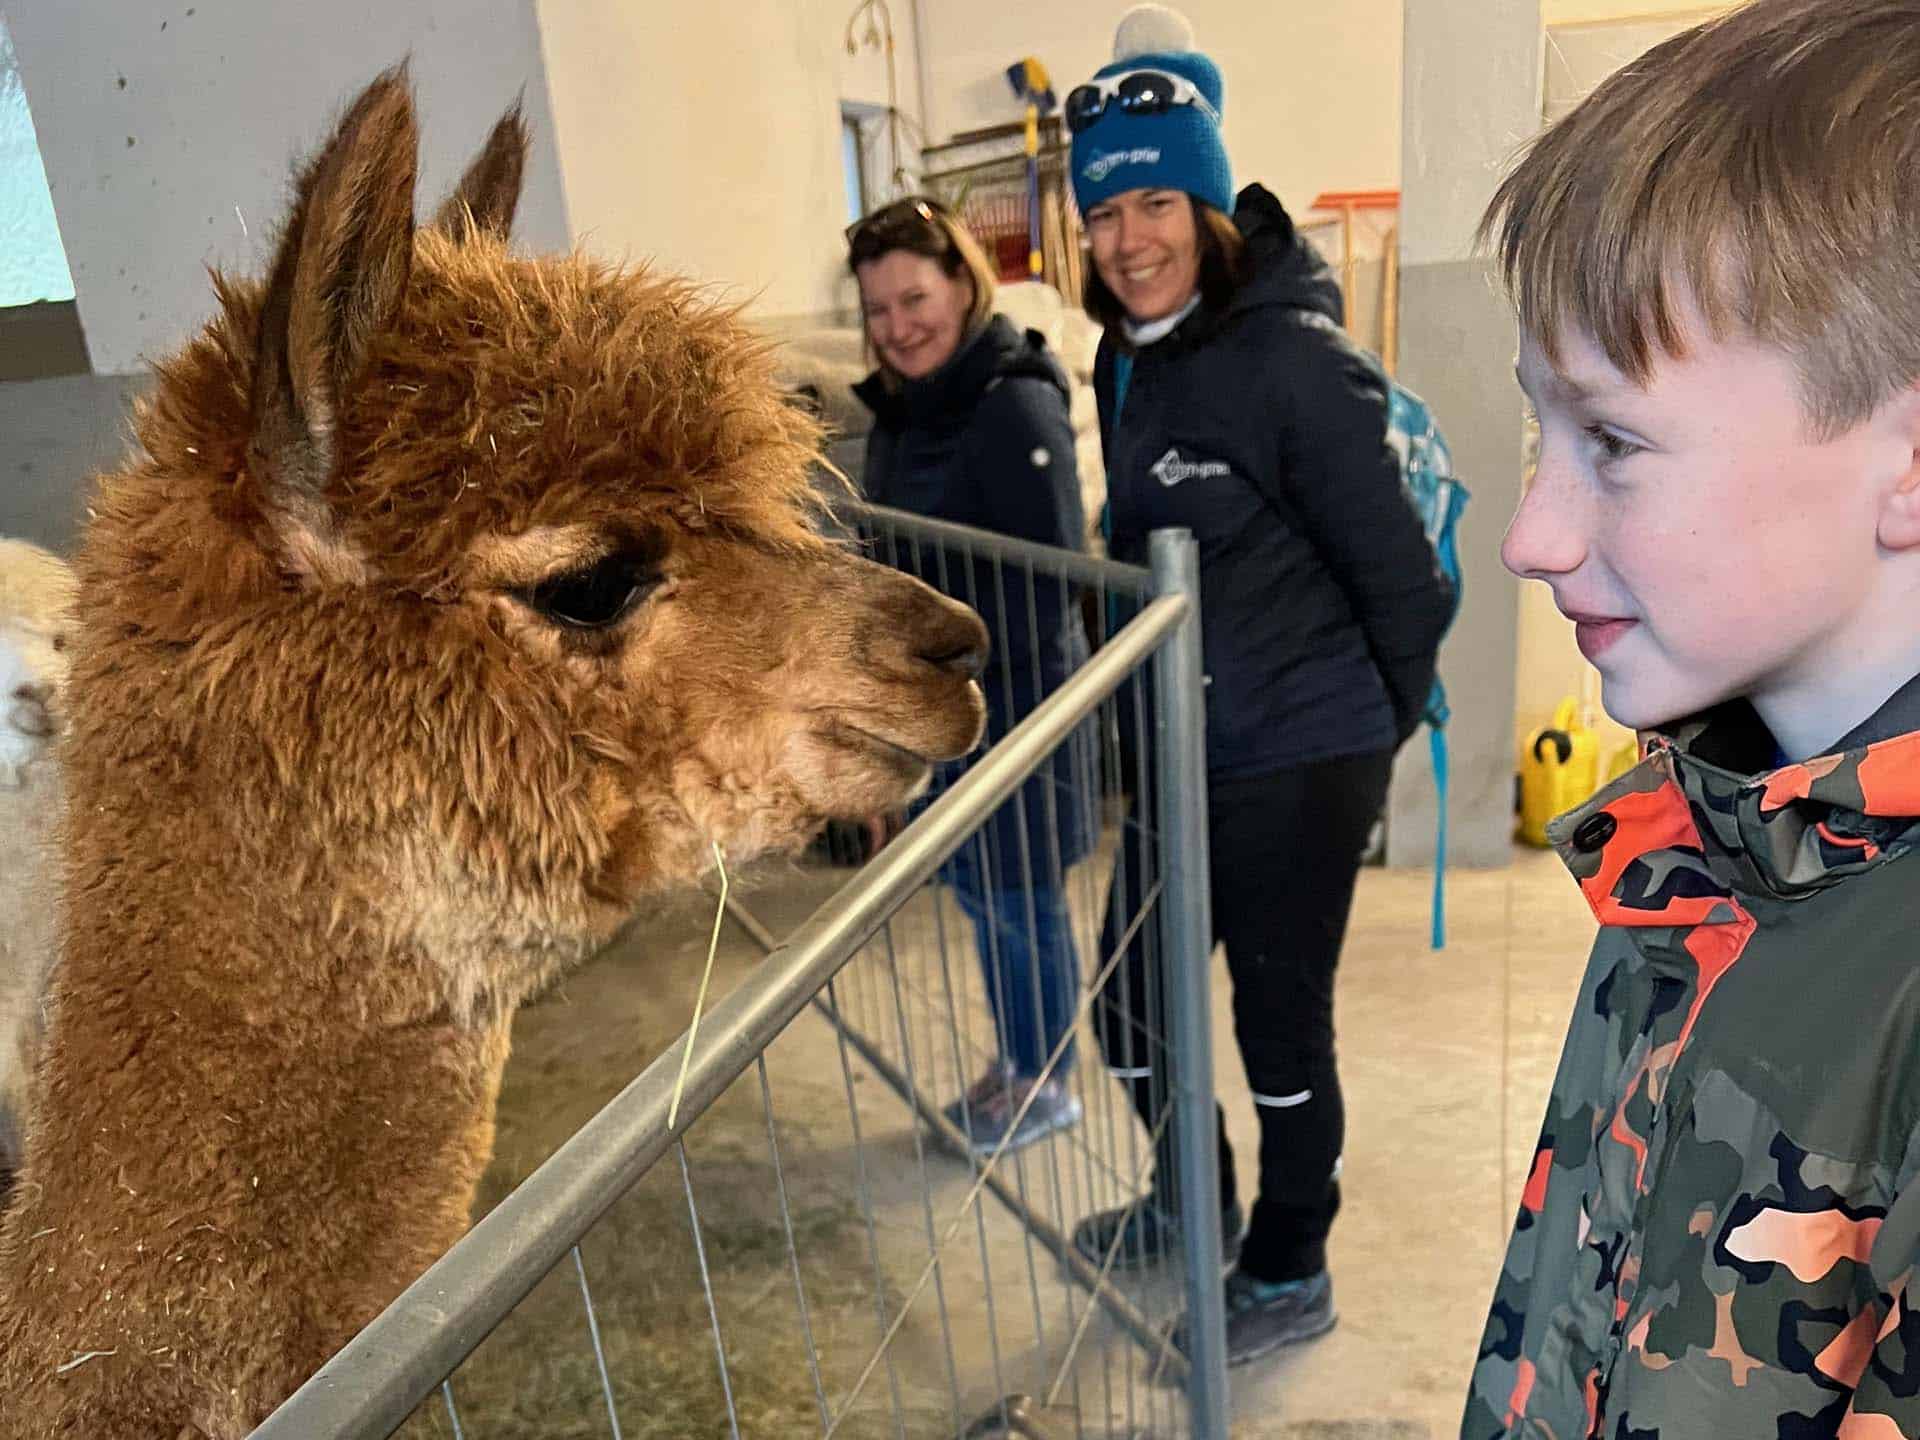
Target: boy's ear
1900 511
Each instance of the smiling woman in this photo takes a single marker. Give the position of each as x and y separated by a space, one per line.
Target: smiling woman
1232 405
971 425
925 285
1154 251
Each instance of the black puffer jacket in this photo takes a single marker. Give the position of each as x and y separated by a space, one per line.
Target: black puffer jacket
985 441
1321 602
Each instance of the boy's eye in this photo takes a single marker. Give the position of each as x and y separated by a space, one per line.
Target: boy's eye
1610 445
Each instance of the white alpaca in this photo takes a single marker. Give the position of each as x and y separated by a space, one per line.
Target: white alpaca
36 590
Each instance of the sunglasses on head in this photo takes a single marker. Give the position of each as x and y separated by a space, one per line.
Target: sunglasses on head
876 232
1137 92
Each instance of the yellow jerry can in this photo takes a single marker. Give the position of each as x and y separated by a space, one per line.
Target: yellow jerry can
1625 756
1560 770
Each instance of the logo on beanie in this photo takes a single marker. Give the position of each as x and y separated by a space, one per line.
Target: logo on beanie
1170 469
1103 165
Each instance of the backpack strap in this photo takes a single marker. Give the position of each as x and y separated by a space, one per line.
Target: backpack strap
1437 749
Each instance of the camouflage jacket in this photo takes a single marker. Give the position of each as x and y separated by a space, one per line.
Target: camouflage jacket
1722 1216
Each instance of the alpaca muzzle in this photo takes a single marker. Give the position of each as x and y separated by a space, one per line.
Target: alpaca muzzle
931 652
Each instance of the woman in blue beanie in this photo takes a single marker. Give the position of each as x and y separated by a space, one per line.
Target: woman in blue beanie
1232 405
970 424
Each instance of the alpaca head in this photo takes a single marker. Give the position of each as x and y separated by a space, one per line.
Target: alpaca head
36 593
494 580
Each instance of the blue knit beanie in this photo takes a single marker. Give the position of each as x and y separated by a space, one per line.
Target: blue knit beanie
1180 149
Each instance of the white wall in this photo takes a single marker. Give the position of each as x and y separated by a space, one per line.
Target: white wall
725 163
1586 40
1472 78
862 77
169 133
1580 12
1313 90
705 136
1581 53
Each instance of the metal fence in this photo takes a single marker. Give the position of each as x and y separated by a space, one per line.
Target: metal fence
867 1265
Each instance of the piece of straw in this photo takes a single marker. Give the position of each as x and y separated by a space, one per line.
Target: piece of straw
700 1000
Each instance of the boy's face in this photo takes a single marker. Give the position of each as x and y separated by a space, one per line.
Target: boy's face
1704 544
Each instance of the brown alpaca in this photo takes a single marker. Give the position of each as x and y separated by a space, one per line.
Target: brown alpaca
458 601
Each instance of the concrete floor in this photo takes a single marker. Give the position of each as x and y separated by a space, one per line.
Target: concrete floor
1446 1058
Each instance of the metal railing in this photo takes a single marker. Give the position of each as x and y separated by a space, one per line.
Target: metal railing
1077 1346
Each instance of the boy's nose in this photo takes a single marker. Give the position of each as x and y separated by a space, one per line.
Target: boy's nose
1547 535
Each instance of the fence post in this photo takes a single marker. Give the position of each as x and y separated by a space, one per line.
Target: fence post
1186 943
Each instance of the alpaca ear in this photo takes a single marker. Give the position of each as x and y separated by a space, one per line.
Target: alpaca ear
336 285
488 194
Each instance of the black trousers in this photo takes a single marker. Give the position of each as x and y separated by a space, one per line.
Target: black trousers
1285 856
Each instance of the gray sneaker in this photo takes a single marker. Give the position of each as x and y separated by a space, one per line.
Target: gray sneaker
1263 1316
968 1112
999 1125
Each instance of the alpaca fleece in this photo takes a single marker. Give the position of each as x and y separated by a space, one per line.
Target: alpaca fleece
345 786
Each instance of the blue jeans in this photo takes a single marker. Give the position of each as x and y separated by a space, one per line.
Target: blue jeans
1032 975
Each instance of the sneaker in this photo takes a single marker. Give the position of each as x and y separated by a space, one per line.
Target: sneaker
1147 1233
966 1113
1264 1315
1053 1107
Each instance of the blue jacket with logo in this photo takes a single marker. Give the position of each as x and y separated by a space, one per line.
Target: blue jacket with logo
1322 605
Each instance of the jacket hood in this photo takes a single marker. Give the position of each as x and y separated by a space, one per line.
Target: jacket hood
1284 268
1679 837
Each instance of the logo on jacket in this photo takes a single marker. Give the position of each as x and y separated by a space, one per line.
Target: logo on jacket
1170 469
1104 164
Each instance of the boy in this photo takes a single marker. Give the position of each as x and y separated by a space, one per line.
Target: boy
1716 264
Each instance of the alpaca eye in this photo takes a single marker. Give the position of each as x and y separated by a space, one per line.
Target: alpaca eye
599 596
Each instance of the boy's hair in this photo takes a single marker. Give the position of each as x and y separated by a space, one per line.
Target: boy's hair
1222 267
1764 165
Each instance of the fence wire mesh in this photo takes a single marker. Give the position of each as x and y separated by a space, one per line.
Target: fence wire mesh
868 1227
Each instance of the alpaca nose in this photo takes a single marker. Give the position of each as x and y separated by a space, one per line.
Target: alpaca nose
30 711
948 635
909 624
959 656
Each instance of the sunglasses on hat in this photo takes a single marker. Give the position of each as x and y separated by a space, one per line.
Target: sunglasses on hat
1137 92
